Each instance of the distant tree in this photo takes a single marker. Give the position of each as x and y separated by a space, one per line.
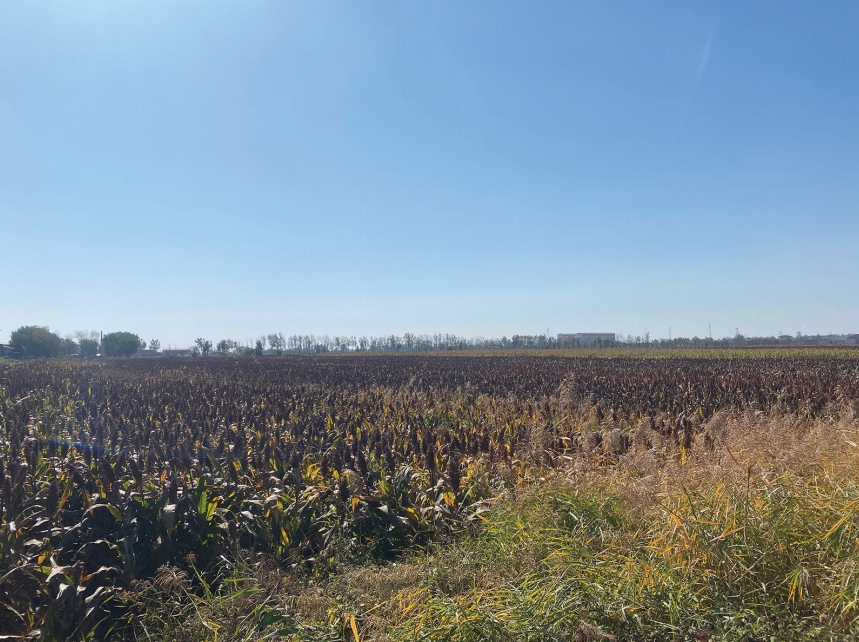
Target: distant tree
155 345
259 348
80 335
226 346
120 344
277 342
204 345
36 341
89 347
70 347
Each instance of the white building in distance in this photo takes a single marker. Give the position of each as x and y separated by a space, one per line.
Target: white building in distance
581 339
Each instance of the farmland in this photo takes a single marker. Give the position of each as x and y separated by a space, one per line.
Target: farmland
643 494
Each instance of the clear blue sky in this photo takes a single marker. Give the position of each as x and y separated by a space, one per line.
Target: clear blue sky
227 169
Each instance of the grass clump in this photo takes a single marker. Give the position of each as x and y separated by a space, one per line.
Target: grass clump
774 559
755 540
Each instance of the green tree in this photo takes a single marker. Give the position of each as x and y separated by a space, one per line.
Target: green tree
277 342
89 347
70 347
204 345
120 344
36 341
226 346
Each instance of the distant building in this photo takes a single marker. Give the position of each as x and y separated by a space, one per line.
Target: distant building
176 353
822 339
7 351
146 353
582 339
785 338
852 339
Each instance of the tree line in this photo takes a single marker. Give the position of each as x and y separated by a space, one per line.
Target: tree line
39 341
278 343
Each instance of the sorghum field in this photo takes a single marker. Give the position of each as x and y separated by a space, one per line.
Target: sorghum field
641 495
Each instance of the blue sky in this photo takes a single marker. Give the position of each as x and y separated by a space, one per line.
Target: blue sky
227 169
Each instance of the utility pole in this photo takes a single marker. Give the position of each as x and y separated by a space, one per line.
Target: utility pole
669 333
710 328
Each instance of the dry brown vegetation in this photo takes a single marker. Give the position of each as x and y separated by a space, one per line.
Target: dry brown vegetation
768 485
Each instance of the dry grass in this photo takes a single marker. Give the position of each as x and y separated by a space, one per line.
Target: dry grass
743 445
752 538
